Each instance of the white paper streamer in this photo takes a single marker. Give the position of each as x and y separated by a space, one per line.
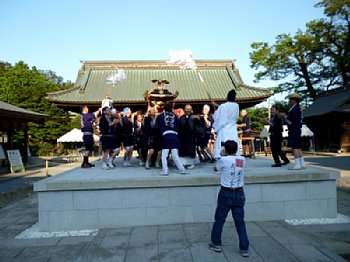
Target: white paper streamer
182 58
116 78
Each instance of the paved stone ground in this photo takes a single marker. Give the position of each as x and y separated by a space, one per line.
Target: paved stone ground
339 163
14 186
270 241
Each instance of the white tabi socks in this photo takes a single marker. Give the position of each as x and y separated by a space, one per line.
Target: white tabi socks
297 165
302 162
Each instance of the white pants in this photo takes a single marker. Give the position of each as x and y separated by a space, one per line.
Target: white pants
187 161
175 156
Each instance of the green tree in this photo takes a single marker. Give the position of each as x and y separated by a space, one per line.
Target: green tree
255 114
290 59
52 77
282 106
335 31
311 60
27 88
75 121
4 66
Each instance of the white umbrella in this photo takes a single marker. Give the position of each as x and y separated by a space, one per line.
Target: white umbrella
265 131
305 131
75 135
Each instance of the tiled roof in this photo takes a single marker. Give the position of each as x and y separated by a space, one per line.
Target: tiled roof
336 100
220 76
11 111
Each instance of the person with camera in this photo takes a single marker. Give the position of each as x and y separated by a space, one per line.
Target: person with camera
246 132
231 197
206 120
275 130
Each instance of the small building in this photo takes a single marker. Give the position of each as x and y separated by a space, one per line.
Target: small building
12 119
329 118
219 77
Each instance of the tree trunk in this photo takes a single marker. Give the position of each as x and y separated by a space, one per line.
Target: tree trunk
309 86
346 72
25 152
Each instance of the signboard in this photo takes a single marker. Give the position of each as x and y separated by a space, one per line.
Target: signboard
15 160
2 153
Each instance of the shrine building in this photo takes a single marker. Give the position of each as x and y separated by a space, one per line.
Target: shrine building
220 76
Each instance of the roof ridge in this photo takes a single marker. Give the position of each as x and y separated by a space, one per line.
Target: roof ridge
152 63
332 91
263 89
155 61
13 108
63 91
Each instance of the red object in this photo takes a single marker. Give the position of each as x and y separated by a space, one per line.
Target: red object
239 163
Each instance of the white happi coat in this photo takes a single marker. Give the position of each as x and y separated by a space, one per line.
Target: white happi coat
225 125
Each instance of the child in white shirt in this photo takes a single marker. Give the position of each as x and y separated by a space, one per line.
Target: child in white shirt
230 198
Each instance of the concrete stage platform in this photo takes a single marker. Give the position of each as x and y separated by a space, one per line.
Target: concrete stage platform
132 196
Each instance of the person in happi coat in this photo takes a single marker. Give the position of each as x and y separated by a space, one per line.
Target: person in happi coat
294 119
139 138
168 126
117 137
87 120
127 135
106 127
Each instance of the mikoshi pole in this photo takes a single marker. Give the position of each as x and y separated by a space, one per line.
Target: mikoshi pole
206 90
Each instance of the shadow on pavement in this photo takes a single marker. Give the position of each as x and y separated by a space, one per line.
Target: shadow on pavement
339 162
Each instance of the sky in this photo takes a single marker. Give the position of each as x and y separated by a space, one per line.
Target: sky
56 35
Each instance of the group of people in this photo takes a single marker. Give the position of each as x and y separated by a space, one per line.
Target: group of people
185 135
294 120
192 136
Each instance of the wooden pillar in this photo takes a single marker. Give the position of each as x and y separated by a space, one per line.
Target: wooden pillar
10 138
25 151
